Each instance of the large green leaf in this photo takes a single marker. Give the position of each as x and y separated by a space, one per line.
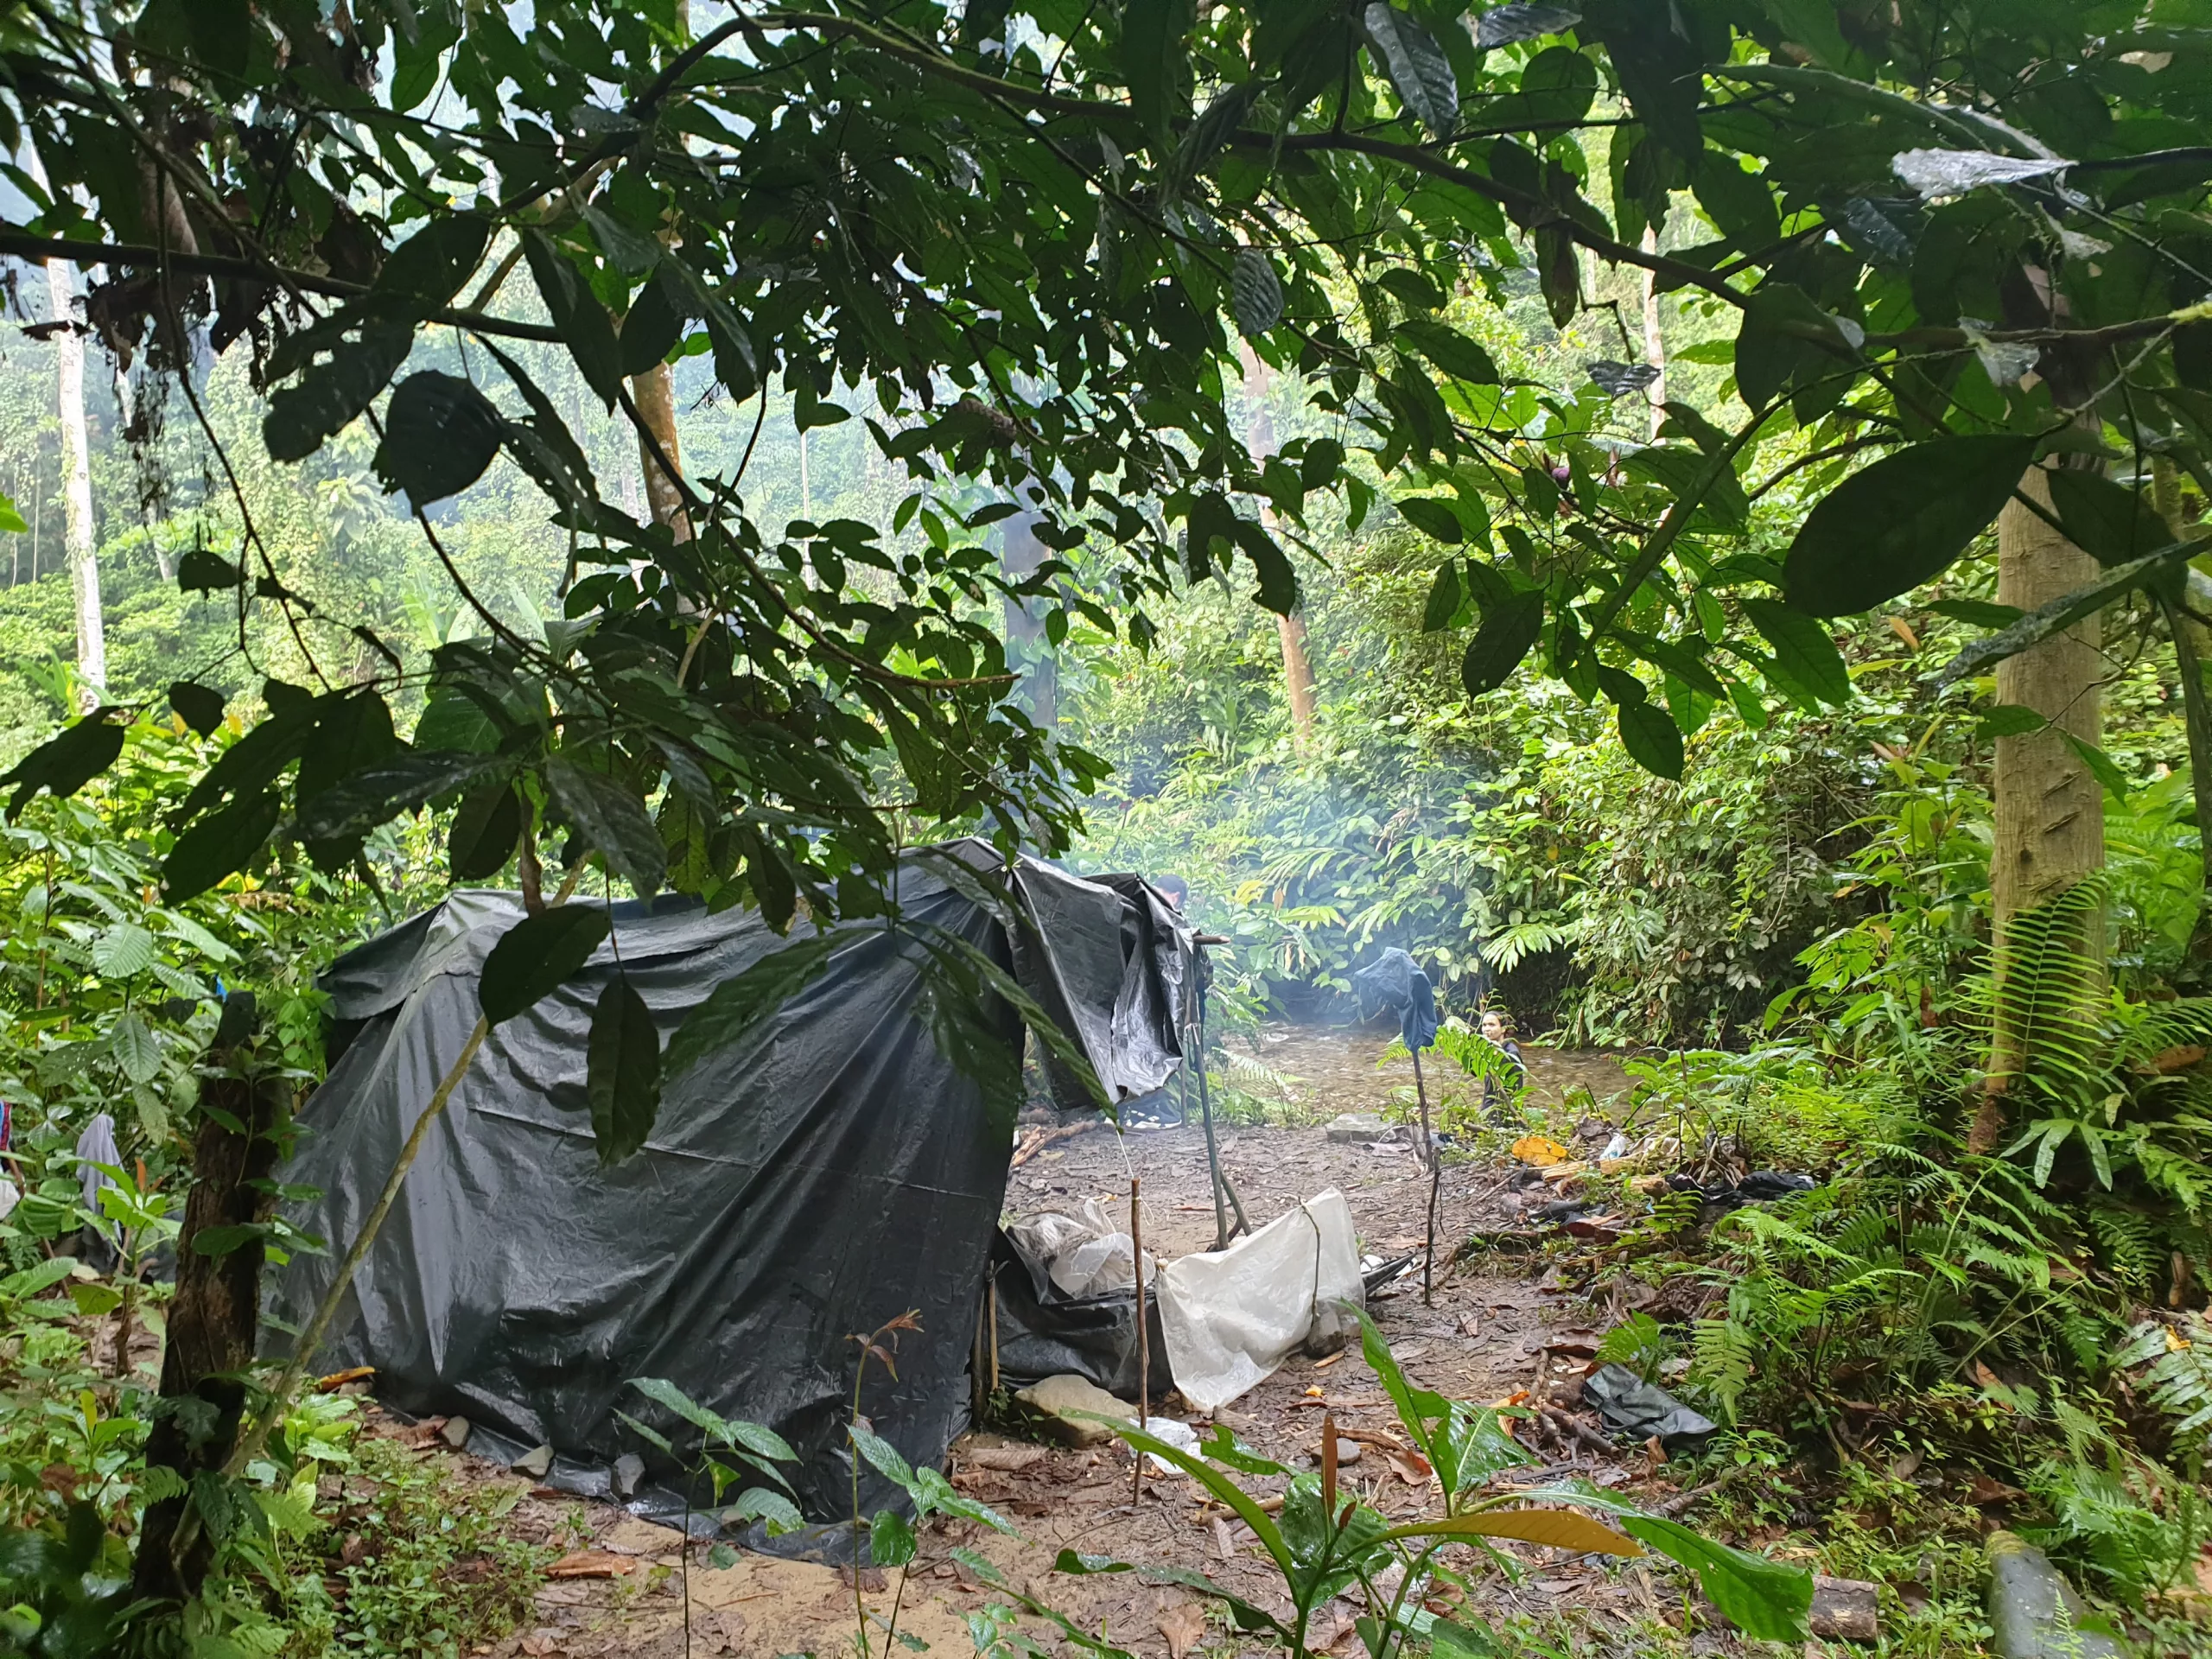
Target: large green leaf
1155 60
1722 505
1255 291
1766 1600
1449 350
219 845
1508 633
132 1042
653 324
1278 578
890 1540
65 762
123 951
2112 524
1892 526
1416 65
198 705
440 433
373 797
1803 648
612 819
1220 1488
534 957
576 312
1443 603
424 270
1741 204
329 397
622 1070
485 832
1433 518
740 1005
1649 735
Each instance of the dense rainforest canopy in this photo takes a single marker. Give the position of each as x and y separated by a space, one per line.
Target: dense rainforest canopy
1682 514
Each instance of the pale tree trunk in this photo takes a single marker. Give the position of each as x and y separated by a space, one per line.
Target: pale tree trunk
1290 630
2050 808
1021 553
77 486
1654 345
654 391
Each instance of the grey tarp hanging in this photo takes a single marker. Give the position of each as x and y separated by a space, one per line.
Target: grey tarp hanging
833 1172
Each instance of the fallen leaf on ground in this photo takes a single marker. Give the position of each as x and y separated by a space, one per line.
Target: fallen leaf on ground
1184 1627
592 1564
1008 1458
1224 1544
1412 1467
718 1632
1982 1491
1328 1628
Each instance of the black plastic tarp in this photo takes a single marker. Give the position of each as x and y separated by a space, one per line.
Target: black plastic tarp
1042 1333
832 1172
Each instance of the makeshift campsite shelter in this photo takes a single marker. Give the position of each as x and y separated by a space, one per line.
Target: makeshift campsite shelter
833 1170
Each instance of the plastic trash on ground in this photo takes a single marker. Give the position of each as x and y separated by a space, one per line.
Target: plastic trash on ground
1539 1151
1628 1405
1084 1254
1231 1317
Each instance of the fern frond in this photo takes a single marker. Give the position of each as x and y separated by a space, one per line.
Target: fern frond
2043 1001
2176 1363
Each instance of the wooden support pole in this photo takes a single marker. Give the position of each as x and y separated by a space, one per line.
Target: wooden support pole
1435 1179
1144 1335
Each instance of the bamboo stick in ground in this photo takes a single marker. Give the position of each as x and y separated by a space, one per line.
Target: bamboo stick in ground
1144 1338
1435 1180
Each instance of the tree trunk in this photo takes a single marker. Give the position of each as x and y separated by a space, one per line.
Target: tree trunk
1290 630
1297 677
1020 553
77 487
212 1320
655 392
2050 808
1654 344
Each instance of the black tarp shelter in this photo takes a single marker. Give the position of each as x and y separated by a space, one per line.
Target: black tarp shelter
834 1171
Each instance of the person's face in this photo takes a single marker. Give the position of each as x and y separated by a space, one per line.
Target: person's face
1493 1028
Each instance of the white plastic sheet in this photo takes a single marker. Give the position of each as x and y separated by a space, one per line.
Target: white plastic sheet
1231 1317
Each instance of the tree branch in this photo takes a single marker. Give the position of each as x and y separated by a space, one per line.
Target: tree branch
19 244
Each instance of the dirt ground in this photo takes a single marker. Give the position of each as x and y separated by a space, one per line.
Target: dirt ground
1488 1333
